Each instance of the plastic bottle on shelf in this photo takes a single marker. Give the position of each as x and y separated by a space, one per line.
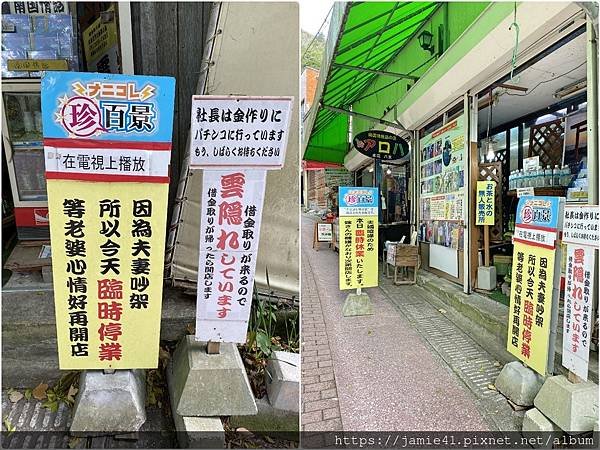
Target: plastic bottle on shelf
548 176
556 176
566 176
511 181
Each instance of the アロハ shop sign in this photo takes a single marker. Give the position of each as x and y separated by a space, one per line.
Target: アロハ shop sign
381 145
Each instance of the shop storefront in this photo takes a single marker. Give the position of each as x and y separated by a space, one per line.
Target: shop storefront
487 106
37 36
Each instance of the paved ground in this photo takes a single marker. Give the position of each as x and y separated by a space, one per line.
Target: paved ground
389 373
38 427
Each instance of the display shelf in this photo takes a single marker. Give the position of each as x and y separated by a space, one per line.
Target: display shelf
551 191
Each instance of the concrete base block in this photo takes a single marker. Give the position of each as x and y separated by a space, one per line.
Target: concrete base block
486 278
209 385
269 421
571 406
534 424
357 305
282 378
110 403
518 383
47 274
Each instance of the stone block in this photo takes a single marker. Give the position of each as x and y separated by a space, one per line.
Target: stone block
112 403
486 278
571 406
269 421
282 379
209 385
357 305
519 383
539 430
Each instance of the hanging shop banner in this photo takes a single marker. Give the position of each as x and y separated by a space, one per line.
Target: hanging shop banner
238 131
485 202
532 295
442 155
577 323
107 176
580 225
381 145
358 236
232 202
324 232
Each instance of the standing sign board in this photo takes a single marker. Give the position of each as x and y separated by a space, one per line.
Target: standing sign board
358 225
580 234
533 295
323 232
235 139
107 142
485 202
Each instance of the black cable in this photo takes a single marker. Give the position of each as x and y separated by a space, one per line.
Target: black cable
547 81
317 34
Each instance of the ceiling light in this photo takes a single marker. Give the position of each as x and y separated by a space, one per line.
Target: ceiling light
571 89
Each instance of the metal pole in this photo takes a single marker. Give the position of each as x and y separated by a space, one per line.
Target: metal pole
365 117
592 112
377 72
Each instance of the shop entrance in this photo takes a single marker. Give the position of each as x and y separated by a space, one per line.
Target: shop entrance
531 135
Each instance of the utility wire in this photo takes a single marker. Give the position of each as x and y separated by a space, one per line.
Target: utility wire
547 81
317 33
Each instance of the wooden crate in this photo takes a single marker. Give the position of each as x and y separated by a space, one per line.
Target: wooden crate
406 256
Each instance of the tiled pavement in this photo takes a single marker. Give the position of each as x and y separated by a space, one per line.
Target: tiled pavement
372 373
320 406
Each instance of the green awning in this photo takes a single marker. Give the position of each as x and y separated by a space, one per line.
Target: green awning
371 35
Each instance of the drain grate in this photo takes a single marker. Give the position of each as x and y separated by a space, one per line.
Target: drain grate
469 361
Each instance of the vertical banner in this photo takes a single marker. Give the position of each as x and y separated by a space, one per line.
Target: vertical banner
485 202
580 234
532 294
107 142
232 202
358 237
235 139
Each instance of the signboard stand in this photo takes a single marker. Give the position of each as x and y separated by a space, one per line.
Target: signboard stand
107 143
234 140
323 233
358 262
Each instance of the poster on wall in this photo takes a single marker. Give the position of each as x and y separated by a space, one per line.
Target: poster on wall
358 237
442 182
533 295
107 142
